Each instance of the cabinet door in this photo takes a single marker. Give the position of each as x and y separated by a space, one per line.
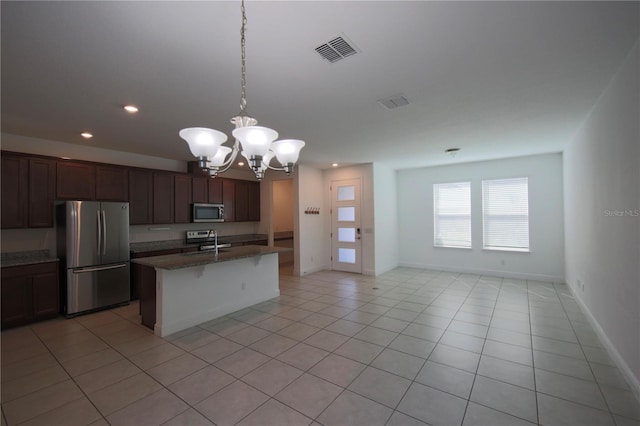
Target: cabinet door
16 300
215 191
242 200
228 198
42 180
112 183
254 202
140 197
199 190
75 181
162 198
182 199
15 179
45 295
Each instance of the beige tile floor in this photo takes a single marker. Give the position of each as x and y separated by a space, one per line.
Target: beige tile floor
410 347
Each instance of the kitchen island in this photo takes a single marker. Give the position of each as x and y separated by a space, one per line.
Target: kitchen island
178 291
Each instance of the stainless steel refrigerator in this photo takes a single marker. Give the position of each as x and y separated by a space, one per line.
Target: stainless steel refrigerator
93 246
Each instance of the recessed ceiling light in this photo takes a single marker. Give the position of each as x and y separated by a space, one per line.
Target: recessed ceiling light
334 165
131 109
240 163
86 135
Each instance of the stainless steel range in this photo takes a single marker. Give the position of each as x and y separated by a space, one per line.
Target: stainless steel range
207 239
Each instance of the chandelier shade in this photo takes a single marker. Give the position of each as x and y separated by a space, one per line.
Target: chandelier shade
287 151
255 140
203 142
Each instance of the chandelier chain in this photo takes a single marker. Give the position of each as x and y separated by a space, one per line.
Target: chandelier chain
243 100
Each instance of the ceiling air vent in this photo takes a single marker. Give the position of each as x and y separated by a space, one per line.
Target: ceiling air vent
337 49
393 102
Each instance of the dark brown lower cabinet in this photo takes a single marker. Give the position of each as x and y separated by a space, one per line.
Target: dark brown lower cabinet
29 293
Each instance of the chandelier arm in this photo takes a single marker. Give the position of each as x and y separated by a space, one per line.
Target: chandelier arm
227 164
270 167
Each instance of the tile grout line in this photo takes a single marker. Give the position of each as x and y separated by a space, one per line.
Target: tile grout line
484 342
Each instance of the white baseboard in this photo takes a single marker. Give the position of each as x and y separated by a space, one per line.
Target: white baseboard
300 273
632 380
490 272
382 270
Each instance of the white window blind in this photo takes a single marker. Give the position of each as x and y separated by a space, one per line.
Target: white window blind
452 214
505 214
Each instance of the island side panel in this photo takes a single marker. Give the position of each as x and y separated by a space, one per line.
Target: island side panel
145 277
190 296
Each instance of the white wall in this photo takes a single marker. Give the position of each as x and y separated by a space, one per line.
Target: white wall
365 174
602 209
87 152
309 240
546 234
385 219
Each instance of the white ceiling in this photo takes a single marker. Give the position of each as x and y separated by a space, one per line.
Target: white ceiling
496 79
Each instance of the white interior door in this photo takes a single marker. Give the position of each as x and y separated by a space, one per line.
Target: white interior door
346 242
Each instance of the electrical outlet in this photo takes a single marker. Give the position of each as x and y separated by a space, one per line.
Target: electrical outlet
580 285
243 286
502 262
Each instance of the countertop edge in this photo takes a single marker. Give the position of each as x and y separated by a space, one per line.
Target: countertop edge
12 263
188 260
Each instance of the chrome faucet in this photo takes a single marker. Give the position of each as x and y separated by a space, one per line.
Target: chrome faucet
215 239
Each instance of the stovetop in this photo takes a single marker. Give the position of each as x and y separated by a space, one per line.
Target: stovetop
206 239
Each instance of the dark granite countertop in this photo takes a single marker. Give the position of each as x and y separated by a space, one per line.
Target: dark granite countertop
20 258
180 244
284 235
188 260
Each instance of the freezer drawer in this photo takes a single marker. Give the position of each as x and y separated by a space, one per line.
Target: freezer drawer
97 287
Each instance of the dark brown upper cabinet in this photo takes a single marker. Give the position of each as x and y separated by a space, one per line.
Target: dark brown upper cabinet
215 191
140 197
200 189
112 183
28 187
228 198
163 197
75 181
182 199
42 182
15 184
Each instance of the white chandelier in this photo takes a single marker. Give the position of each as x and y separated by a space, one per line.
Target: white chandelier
257 142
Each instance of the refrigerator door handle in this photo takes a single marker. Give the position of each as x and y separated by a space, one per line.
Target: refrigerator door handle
104 233
99 268
99 224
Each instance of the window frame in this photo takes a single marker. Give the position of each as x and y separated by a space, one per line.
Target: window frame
436 192
516 249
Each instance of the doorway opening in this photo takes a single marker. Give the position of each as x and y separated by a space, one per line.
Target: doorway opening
282 221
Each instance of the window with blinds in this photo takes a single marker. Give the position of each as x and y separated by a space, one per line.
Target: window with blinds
452 214
505 214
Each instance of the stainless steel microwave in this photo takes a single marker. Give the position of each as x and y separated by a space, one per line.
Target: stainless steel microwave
207 213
